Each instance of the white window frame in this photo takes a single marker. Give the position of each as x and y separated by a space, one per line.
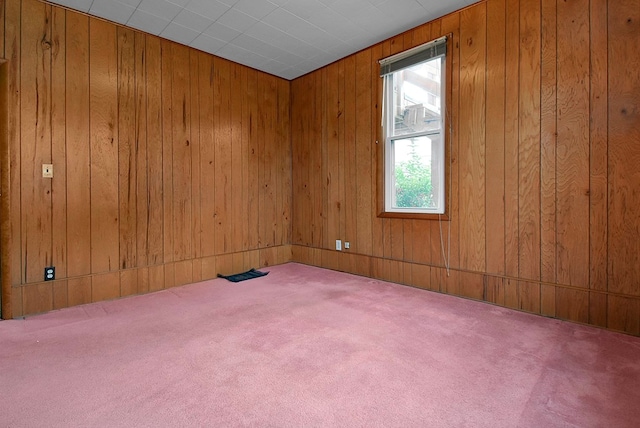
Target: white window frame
390 66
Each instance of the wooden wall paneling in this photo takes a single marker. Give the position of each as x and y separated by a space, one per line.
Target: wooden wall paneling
79 290
377 145
494 142
363 148
141 154
105 286
2 18
316 155
209 267
35 141
494 290
624 157
252 258
155 152
529 142
37 298
166 57
237 206
572 304
128 282
472 141
182 174
573 144
332 165
183 272
246 136
58 151
284 186
511 173
450 283
60 292
394 227
169 275
471 285
16 303
548 141
207 156
623 313
598 138
78 161
127 153
156 277
254 161
529 296
195 146
421 276
143 279
103 61
342 175
222 138
266 160
421 241
300 107
12 54
512 293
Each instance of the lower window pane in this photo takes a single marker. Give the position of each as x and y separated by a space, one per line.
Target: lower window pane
415 182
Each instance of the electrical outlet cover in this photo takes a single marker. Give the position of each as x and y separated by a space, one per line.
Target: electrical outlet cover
49 273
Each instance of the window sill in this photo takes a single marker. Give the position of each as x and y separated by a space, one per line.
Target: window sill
414 216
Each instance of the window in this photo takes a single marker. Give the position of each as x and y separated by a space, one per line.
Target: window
413 124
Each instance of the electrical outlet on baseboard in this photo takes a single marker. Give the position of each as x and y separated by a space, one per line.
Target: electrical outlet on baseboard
338 245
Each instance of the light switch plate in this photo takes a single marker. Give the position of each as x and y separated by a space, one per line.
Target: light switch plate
47 170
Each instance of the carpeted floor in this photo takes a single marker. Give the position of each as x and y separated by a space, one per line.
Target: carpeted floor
306 347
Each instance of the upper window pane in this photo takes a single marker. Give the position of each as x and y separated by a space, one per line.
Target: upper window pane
416 98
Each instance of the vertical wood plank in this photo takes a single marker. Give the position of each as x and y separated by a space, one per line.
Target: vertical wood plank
284 185
78 159
12 53
573 143
182 221
166 57
253 162
79 291
59 152
377 53
473 26
127 159
207 156
196 130
529 142
624 155
548 141
512 103
364 143
60 293
237 206
35 141
103 100
598 137
143 214
332 118
154 129
105 286
222 140
495 134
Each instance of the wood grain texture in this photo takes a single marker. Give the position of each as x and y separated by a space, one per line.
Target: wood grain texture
103 111
472 141
495 127
624 153
572 153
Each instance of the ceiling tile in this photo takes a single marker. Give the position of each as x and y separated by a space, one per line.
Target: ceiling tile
179 33
257 9
192 20
147 22
237 20
81 5
112 10
222 32
207 44
211 9
162 8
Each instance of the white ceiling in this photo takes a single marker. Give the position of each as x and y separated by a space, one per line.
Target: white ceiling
287 38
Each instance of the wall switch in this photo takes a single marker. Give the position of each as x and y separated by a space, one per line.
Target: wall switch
338 245
47 170
346 245
49 273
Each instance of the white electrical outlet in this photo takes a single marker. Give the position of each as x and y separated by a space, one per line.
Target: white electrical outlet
346 245
338 245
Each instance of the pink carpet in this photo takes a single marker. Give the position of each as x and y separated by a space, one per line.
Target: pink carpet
309 347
